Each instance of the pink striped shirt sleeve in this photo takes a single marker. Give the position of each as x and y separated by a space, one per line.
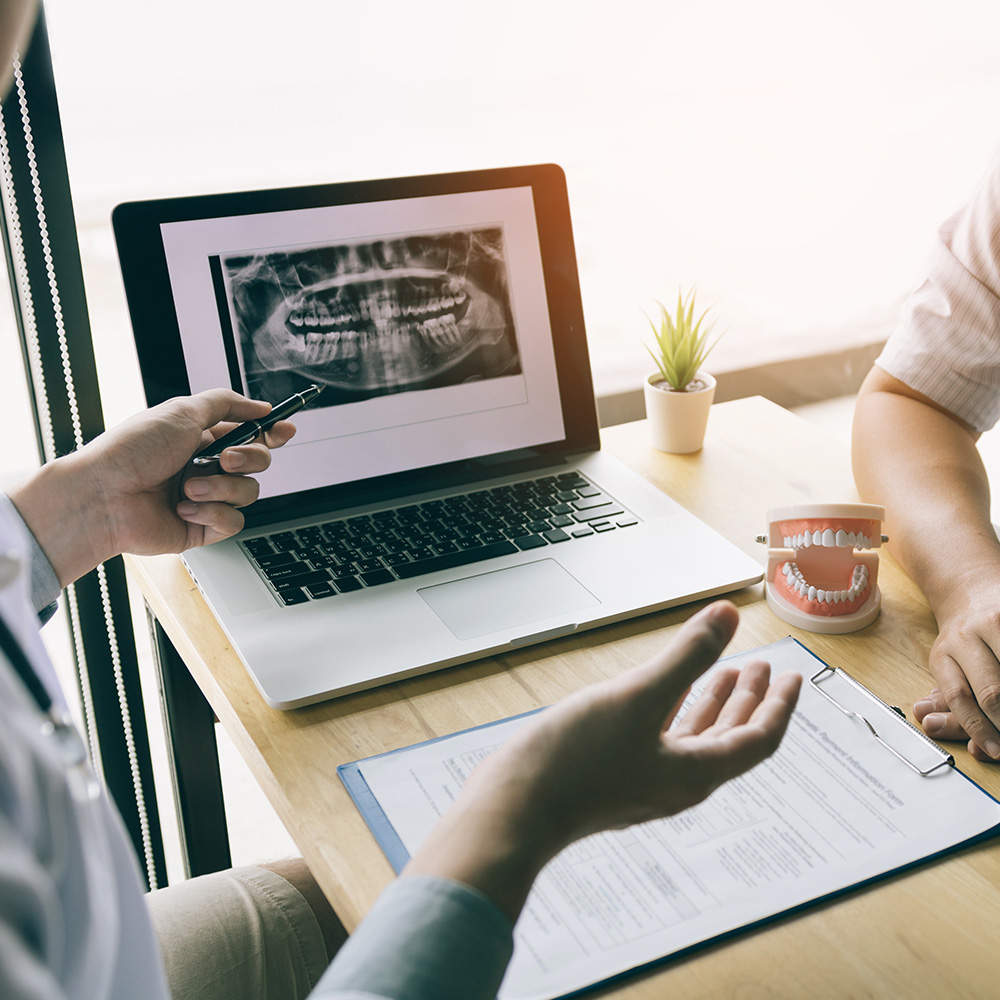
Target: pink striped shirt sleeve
948 343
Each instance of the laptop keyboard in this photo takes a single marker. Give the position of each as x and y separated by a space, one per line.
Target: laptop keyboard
323 560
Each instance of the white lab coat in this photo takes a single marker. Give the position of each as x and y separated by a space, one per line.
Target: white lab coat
73 922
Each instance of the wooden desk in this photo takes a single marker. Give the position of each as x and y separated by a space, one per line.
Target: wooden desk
931 933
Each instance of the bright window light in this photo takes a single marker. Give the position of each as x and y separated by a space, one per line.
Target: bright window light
790 158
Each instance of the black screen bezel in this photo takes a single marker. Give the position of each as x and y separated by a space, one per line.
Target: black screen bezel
156 332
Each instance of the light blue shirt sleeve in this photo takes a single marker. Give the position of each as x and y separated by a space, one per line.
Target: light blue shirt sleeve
425 939
45 589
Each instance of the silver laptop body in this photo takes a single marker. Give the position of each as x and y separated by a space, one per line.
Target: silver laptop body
445 497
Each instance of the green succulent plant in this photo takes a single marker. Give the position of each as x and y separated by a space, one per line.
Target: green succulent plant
682 343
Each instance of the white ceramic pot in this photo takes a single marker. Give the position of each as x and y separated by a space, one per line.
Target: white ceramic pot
677 420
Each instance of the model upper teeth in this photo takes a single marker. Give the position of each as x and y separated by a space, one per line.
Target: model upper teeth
829 538
797 582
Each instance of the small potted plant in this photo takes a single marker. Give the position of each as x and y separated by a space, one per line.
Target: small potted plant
678 394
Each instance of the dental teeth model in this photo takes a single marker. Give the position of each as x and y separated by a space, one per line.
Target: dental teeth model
821 572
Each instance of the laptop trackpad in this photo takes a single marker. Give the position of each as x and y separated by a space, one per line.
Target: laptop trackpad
507 598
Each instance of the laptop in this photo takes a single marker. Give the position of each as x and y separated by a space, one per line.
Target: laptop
445 497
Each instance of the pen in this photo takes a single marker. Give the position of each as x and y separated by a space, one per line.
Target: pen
246 433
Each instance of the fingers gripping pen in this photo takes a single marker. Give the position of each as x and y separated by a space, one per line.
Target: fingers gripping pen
252 429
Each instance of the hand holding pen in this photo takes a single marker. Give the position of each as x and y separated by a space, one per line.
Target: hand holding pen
131 489
252 429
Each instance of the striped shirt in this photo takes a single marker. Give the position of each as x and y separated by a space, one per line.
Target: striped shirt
948 344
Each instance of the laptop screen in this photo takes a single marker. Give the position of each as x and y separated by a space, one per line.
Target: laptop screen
425 320
429 315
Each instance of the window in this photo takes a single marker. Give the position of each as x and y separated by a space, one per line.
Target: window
791 158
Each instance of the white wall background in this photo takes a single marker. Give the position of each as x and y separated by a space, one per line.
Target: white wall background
790 157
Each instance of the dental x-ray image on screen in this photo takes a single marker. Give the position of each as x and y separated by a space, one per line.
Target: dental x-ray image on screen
366 319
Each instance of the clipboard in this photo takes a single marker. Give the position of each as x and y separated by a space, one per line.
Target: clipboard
883 777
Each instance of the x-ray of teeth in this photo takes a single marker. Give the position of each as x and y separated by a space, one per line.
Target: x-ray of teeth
376 317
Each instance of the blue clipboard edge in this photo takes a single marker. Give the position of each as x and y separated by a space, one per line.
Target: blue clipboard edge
368 805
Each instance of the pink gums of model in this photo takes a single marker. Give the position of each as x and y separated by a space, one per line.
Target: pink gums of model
821 572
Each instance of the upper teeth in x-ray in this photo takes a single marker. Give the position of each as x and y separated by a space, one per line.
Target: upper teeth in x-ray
395 324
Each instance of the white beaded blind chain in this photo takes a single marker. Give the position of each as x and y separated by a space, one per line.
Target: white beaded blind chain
23 292
45 410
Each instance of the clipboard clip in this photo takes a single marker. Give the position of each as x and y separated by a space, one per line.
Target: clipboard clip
827 670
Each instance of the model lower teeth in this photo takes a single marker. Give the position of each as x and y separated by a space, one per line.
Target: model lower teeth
797 582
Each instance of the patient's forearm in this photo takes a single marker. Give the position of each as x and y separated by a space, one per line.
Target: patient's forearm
925 468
